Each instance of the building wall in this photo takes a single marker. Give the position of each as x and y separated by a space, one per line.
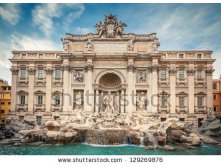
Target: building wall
217 96
5 101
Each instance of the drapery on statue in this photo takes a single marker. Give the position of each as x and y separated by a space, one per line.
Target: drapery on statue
100 28
79 101
120 28
89 47
108 102
141 102
130 46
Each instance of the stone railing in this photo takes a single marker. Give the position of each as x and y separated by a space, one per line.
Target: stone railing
56 108
200 81
163 109
39 107
162 82
182 110
22 81
182 82
200 110
57 81
40 81
23 107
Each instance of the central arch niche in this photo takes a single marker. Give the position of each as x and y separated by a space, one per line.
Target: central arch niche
110 81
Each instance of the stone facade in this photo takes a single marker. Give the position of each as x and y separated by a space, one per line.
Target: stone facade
111 70
217 96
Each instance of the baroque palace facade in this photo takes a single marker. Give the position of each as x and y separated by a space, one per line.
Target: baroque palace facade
112 70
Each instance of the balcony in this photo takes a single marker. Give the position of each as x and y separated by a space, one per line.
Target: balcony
200 110
39 107
57 81
56 108
40 81
163 82
181 110
163 109
22 81
200 82
181 82
21 107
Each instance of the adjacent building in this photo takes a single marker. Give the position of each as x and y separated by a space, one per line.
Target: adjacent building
129 68
5 101
217 96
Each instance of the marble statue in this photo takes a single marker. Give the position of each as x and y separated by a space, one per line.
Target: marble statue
79 101
141 102
78 76
89 47
141 76
130 46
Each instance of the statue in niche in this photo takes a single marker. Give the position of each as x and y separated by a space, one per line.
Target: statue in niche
108 102
79 101
130 46
89 47
78 76
141 102
100 28
141 77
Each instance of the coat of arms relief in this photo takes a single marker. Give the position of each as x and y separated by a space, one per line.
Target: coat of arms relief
111 27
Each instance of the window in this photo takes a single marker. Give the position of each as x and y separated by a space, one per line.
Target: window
22 99
181 102
40 73
181 56
163 119
9 103
199 102
2 103
40 56
164 101
214 109
2 111
39 99
39 120
199 56
214 97
181 74
57 74
182 119
23 56
4 88
9 88
199 75
57 100
214 85
23 73
163 74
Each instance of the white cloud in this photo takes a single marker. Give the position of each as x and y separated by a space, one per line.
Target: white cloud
44 15
84 30
10 13
21 42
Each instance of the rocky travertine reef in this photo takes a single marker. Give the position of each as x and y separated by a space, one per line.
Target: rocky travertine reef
116 130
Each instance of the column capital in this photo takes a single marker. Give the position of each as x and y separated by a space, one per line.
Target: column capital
49 70
31 70
66 67
191 72
172 72
153 68
14 70
209 72
131 68
89 67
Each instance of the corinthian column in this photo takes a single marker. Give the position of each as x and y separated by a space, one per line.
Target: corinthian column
14 71
172 73
209 81
88 91
31 80
131 89
154 99
66 95
49 72
190 73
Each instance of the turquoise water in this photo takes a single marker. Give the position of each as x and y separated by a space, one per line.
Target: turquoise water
84 149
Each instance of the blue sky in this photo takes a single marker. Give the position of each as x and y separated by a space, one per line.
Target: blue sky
41 26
